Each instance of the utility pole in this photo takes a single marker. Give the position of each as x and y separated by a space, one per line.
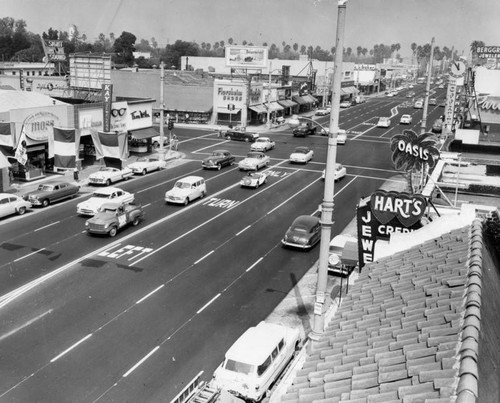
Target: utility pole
326 220
427 90
162 110
268 122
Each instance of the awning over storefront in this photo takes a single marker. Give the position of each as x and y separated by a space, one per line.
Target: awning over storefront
258 108
273 106
348 90
287 103
221 109
310 99
145 133
300 100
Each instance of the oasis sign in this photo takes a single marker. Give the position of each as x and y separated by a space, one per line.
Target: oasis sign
412 151
385 213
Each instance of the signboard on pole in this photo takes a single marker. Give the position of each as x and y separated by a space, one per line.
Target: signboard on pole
107 97
247 57
54 50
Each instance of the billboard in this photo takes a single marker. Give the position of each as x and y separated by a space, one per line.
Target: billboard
89 72
248 57
54 50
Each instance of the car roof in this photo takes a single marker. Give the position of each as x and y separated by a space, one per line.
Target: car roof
53 183
302 148
191 178
306 219
108 190
257 343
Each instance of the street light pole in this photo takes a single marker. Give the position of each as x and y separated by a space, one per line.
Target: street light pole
268 122
328 204
427 90
162 110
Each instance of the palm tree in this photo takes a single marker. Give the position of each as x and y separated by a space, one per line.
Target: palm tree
230 41
303 50
295 47
413 47
359 49
244 43
473 48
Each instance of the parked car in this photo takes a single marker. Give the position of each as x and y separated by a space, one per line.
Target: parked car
340 172
263 144
108 175
419 104
51 192
304 130
433 101
345 104
437 126
254 179
302 155
113 216
12 204
254 161
323 112
384 122
143 165
186 190
405 119
99 197
336 263
155 141
218 159
304 233
256 359
241 135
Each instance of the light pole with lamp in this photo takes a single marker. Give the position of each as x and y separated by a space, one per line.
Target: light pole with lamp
328 204
268 123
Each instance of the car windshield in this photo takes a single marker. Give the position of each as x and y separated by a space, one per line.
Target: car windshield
301 150
254 155
217 154
300 227
239 367
101 195
45 188
142 159
183 185
106 169
262 140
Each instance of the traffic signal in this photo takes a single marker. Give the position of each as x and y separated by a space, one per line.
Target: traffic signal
170 124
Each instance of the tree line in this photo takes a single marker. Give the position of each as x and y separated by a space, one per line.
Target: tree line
18 44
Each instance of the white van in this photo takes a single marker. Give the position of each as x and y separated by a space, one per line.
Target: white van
256 359
186 190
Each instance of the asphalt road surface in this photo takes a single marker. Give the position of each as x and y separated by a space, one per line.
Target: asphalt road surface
135 317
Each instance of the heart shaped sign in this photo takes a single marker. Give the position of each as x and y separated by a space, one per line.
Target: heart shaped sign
408 209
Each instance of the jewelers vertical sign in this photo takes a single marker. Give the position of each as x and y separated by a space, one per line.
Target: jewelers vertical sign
107 96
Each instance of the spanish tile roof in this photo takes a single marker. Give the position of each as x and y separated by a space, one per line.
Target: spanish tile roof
408 331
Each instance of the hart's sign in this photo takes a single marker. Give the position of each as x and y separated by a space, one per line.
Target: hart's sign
383 214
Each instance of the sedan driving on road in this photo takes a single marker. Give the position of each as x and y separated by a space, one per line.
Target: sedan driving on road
345 104
254 179
263 144
254 161
218 159
340 172
384 122
304 233
99 197
405 119
301 155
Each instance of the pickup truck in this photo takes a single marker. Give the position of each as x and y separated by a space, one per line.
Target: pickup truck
112 216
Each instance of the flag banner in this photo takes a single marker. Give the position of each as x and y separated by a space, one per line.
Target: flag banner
21 151
65 147
5 135
110 144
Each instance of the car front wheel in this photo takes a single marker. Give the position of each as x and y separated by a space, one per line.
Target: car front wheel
45 202
186 201
21 210
108 182
112 232
135 221
144 171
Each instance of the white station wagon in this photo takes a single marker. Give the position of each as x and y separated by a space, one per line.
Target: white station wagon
256 359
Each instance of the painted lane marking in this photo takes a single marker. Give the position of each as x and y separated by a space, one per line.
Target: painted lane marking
151 293
243 230
71 348
201 258
46 226
207 304
25 325
28 255
141 361
255 264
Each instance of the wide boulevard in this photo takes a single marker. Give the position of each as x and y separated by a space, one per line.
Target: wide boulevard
134 318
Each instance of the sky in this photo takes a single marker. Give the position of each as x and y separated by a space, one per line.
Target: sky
454 23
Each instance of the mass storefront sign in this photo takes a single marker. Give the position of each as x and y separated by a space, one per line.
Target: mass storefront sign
383 214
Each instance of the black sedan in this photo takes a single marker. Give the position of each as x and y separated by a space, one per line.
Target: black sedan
218 159
304 233
304 130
